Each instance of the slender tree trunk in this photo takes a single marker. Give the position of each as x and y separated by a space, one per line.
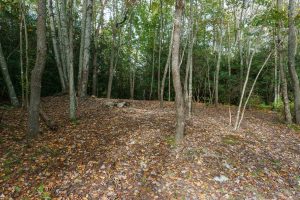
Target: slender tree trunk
165 72
152 71
27 62
86 51
180 112
219 58
113 49
21 56
282 69
82 40
61 42
64 35
236 126
132 82
95 74
11 91
95 62
291 59
159 51
112 62
251 90
72 91
276 92
55 47
37 72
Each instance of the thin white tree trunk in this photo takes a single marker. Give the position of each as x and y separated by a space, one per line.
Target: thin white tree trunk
86 50
11 91
251 90
55 46
166 71
243 92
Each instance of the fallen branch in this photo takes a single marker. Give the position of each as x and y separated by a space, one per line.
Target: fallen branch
50 124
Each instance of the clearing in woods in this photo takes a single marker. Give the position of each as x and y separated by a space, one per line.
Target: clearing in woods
129 153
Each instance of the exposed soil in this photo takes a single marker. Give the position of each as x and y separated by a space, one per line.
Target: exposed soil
130 153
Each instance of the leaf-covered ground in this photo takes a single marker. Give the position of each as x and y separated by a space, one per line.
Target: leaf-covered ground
129 153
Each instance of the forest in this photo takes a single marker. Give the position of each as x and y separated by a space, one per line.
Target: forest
149 99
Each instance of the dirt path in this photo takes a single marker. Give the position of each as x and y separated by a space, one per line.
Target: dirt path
129 153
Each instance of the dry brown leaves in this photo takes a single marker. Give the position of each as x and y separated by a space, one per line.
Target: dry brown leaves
129 153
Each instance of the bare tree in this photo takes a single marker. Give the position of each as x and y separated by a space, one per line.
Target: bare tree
37 72
166 71
282 69
219 56
55 46
86 49
291 59
179 99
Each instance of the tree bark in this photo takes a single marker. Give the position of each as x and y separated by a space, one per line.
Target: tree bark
152 71
86 51
11 91
61 43
291 59
219 58
95 75
113 49
165 72
236 126
159 51
55 47
37 72
282 70
82 40
251 90
70 54
180 112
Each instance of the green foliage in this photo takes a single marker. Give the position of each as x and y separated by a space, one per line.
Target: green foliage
42 192
170 140
295 127
255 101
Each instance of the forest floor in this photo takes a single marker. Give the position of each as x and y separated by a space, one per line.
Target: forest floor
129 153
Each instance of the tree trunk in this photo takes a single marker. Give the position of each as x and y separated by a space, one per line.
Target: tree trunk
21 56
61 43
82 40
55 47
27 62
72 91
251 90
282 69
219 58
159 51
95 74
95 63
236 126
11 91
86 51
152 71
180 112
113 49
291 59
37 72
165 72
64 36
